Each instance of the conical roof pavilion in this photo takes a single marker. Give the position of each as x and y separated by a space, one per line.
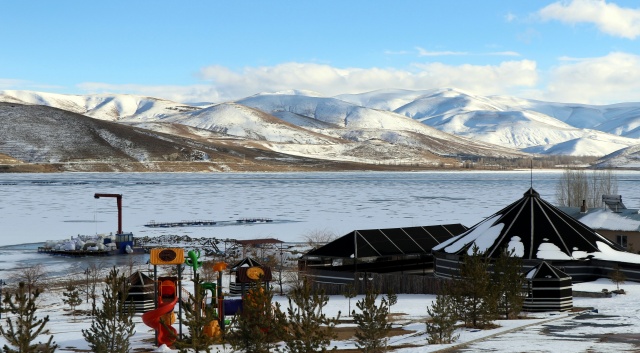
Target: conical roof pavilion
535 229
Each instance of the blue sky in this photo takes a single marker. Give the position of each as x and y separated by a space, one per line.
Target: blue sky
584 51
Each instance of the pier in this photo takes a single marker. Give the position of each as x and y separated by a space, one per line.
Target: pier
154 224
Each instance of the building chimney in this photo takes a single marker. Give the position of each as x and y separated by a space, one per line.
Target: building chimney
583 208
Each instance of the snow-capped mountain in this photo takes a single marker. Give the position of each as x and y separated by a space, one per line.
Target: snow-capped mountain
528 125
238 120
625 158
101 106
444 122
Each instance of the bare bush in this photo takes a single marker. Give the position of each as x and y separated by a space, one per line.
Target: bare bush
320 237
32 276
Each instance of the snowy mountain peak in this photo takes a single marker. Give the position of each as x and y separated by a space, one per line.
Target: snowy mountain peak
395 116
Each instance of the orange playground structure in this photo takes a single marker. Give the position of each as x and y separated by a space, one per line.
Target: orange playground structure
161 318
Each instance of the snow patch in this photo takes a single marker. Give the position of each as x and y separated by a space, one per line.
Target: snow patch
550 251
516 244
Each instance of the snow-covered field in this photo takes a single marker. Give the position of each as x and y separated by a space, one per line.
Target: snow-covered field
57 206
604 325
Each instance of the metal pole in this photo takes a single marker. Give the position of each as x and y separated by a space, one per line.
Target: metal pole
180 300
86 272
280 272
155 294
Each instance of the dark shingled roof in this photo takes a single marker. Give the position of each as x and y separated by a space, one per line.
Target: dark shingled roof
386 242
527 224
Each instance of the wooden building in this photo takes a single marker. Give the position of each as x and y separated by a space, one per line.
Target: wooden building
549 289
390 250
141 292
613 220
539 231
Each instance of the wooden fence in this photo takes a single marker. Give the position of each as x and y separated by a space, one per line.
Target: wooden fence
335 283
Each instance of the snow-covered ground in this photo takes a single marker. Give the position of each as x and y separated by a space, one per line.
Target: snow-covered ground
603 325
55 206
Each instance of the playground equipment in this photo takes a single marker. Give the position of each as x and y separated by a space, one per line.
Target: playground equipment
161 318
213 328
168 292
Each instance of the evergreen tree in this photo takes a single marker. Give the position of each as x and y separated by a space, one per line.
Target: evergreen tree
509 281
476 300
392 298
197 317
617 277
308 329
442 324
112 326
23 326
373 327
349 292
259 324
72 298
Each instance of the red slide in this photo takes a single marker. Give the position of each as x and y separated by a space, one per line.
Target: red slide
166 333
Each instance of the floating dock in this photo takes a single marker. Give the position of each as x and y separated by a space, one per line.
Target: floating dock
77 253
154 224
254 220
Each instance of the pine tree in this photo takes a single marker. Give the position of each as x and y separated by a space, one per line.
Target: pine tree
112 326
476 301
72 298
349 292
23 326
308 329
373 327
509 282
392 298
197 317
442 324
259 324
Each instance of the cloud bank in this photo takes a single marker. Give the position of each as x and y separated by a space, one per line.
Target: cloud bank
608 17
612 78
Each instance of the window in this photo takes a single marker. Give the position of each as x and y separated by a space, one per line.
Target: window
622 240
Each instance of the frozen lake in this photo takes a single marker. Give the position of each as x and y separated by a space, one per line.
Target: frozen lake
40 207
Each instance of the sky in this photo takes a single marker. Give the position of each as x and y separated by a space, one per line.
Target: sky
579 51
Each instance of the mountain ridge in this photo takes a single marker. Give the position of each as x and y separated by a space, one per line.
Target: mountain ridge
423 125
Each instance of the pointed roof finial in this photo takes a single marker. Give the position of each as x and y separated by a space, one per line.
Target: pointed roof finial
532 173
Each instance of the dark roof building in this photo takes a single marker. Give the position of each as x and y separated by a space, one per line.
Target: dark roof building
534 228
382 250
538 231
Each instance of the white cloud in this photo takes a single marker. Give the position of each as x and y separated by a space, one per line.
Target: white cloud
11 83
193 93
504 53
8 83
424 52
327 80
399 52
609 79
608 17
613 78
